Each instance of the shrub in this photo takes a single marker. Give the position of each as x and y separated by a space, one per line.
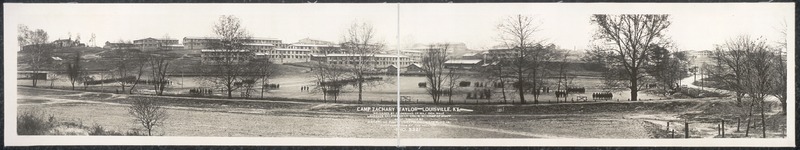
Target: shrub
32 122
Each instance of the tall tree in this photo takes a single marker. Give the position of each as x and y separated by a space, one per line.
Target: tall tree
159 65
75 70
229 67
37 55
359 40
754 72
435 73
630 39
528 55
780 68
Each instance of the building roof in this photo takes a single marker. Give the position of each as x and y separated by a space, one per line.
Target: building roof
59 40
344 55
259 44
413 51
199 37
221 50
316 45
291 49
463 61
150 38
415 64
216 38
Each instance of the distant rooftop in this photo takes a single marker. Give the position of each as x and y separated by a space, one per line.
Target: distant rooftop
463 61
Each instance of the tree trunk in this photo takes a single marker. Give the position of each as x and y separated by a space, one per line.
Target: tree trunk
634 89
763 122
749 116
360 89
503 90
230 91
521 89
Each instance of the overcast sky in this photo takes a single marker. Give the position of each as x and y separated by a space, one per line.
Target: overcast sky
695 26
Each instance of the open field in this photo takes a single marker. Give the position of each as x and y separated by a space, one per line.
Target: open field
233 117
382 91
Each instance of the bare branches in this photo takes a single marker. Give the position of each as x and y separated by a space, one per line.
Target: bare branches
433 66
630 39
359 40
228 62
517 35
148 113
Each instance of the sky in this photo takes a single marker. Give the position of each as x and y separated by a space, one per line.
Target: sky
694 26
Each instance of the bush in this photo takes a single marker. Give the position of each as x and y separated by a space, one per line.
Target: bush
33 122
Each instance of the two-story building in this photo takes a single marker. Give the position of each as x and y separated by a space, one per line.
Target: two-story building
116 46
157 43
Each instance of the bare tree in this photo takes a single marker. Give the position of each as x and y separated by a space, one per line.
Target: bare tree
528 55
259 70
159 65
329 80
630 39
148 113
755 61
780 73
139 63
453 77
433 66
359 40
564 77
37 54
230 66
126 67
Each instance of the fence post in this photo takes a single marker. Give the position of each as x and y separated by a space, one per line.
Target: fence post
686 129
723 128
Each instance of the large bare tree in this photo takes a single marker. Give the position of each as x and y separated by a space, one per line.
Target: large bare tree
159 65
433 66
359 40
35 51
630 38
229 66
517 32
752 63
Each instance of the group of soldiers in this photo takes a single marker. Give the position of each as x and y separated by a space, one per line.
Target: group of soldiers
480 94
602 96
198 91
